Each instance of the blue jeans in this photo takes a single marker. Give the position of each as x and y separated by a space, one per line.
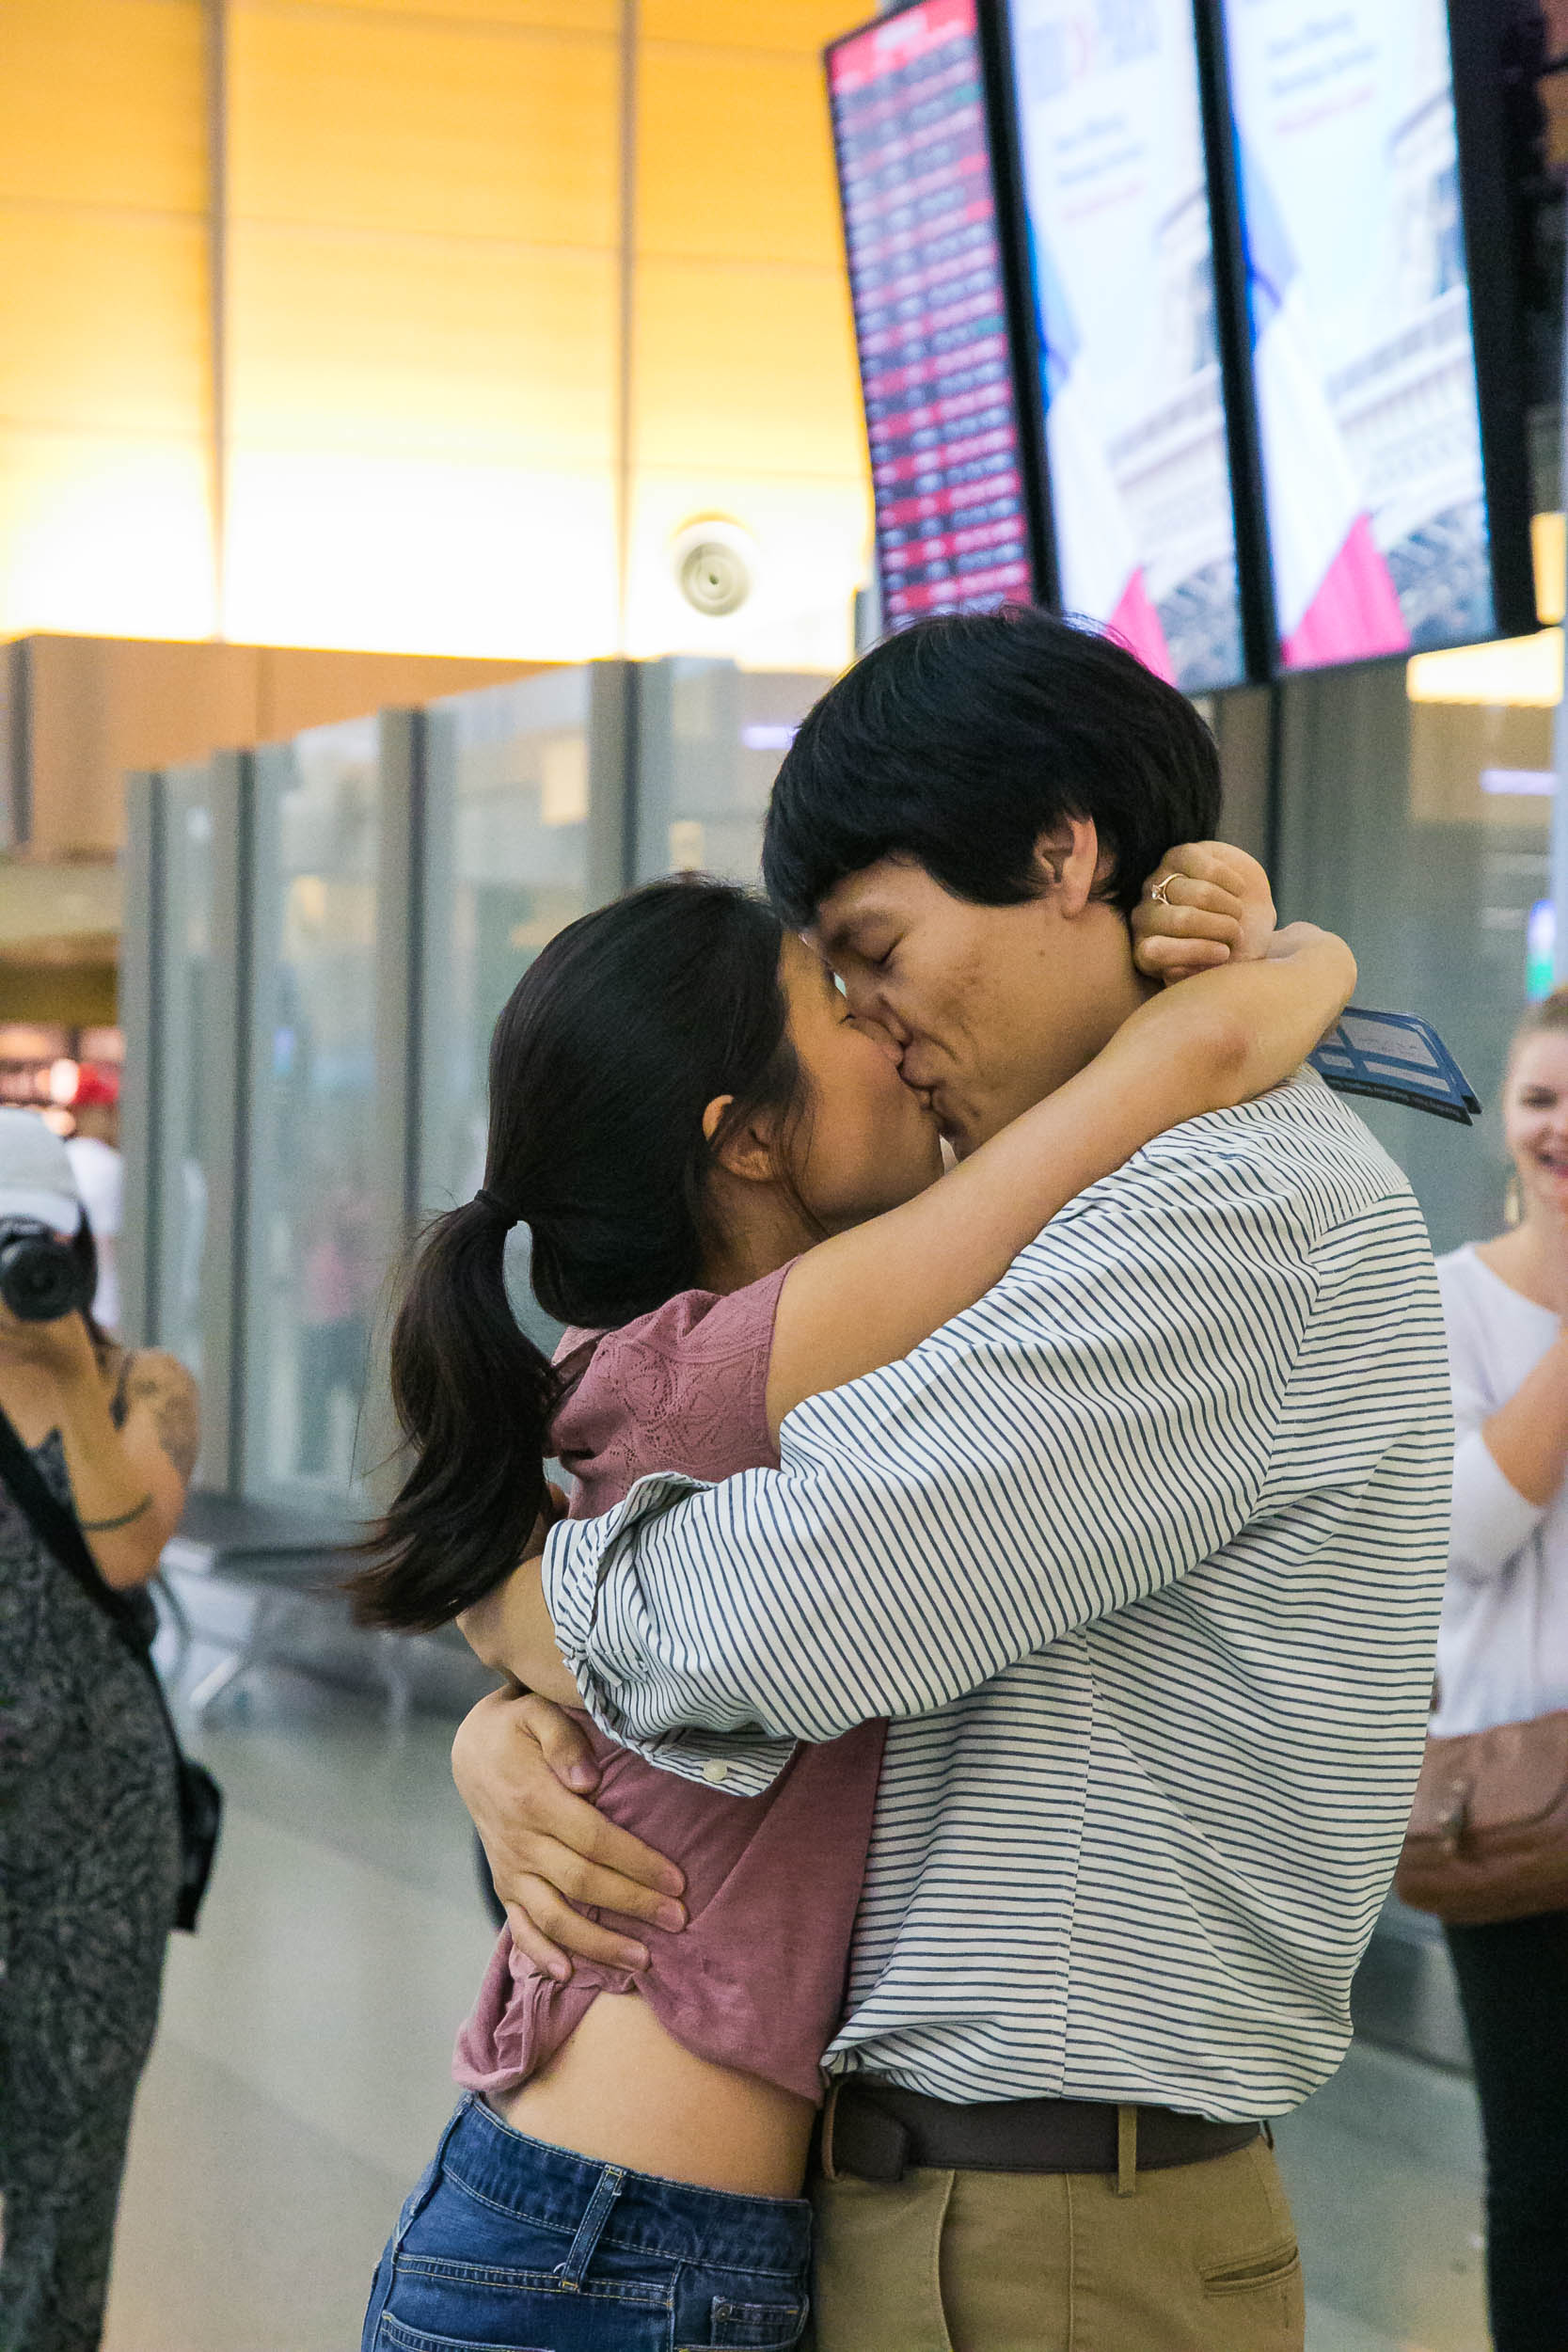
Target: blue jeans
508 2243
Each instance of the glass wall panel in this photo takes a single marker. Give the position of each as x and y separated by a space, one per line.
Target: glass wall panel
325 1208
521 790
181 1001
194 1115
710 738
507 866
1415 811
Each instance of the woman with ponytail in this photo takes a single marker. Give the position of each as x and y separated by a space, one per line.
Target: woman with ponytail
732 1200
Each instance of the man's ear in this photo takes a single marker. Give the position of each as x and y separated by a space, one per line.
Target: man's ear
1071 864
748 1152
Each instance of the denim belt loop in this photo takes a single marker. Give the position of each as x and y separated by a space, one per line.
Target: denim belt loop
592 2227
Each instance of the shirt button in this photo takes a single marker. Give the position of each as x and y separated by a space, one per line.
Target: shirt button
716 1770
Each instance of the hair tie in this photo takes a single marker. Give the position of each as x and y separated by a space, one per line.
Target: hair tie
498 1208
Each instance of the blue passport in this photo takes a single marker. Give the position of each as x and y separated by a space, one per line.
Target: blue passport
1396 1058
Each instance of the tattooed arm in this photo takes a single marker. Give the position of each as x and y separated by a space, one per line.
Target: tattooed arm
129 1482
161 1399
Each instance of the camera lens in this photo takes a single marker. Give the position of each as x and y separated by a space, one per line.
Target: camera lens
41 1277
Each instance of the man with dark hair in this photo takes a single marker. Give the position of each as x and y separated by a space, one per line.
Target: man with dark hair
959 742
1141 1557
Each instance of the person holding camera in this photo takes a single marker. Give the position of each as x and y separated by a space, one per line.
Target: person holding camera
89 1814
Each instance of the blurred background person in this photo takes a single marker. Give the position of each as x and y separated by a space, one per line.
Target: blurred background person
340 1269
89 1835
96 1165
1503 1659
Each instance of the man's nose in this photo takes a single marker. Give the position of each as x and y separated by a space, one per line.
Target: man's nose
872 1010
880 1034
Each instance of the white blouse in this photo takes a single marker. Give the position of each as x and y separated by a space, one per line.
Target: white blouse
1502 1653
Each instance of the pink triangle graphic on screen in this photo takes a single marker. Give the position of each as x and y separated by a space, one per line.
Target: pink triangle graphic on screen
1136 622
1102 576
1334 593
1353 612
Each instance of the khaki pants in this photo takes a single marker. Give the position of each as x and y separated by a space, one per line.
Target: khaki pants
1199 2258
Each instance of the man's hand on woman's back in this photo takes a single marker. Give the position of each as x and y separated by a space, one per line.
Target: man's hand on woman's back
525 1769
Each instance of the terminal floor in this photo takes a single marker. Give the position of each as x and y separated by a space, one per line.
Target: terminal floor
300 2075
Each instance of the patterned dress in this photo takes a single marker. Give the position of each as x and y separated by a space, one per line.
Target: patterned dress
88 1871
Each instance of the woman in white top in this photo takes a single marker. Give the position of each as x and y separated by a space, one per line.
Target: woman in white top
1502 1657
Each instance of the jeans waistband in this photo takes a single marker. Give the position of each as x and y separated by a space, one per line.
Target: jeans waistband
553 2190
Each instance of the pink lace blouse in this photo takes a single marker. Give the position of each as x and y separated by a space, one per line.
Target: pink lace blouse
755 1981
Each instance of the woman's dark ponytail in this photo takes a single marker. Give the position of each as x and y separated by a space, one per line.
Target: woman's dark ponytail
474 1398
611 1046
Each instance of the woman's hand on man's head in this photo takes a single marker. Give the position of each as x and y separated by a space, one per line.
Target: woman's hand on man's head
1214 907
525 1769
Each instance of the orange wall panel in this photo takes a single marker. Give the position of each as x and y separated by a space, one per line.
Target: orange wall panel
398 123
102 101
783 24
561 16
744 368
108 318
734 158
422 315
101 706
385 343
745 388
105 411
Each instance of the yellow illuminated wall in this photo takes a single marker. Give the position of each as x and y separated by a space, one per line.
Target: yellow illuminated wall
105 420
746 395
338 359
421 325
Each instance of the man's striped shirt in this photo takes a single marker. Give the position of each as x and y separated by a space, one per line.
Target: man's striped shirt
1142 1557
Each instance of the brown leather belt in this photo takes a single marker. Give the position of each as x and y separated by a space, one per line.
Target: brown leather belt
878 2133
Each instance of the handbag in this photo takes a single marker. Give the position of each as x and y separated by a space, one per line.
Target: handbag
135 1621
1488 1834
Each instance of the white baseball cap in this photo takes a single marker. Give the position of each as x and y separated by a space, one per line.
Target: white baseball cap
36 1177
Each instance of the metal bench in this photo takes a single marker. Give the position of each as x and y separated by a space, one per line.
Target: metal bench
290 1561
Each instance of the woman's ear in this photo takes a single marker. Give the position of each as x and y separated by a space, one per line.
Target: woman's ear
749 1152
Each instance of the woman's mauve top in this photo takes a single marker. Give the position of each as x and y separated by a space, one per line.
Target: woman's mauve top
756 1979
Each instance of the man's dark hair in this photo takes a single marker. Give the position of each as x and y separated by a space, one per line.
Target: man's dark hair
963 739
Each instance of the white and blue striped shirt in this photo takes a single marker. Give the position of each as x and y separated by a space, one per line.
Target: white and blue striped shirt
1143 1556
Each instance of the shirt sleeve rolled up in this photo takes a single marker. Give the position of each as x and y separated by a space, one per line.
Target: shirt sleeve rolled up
1088 1433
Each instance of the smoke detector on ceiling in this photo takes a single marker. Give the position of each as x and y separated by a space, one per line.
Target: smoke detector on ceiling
714 563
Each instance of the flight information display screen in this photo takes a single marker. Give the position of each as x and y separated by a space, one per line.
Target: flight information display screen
1110 138
1363 355
925 275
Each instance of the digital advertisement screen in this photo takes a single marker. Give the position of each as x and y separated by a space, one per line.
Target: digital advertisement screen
1359 311
1116 192
930 313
